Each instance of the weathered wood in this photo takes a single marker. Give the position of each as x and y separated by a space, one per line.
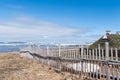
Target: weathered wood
96 53
60 57
99 51
87 52
93 54
107 50
116 54
102 54
107 58
47 54
111 53
82 51
90 54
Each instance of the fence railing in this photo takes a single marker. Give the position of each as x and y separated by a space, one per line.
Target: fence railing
98 63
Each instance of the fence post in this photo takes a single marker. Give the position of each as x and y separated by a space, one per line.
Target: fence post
84 55
107 58
99 51
96 53
116 54
111 53
107 50
59 50
87 53
93 53
102 54
59 55
47 55
81 51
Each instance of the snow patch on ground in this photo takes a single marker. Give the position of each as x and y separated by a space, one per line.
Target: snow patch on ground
87 67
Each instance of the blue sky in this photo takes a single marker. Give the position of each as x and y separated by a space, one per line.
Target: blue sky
58 21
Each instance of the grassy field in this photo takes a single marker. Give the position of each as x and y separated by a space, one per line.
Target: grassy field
14 67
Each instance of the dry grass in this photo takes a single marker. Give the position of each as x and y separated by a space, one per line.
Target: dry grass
14 67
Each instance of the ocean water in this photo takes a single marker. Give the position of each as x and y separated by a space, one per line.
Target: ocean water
14 48
9 48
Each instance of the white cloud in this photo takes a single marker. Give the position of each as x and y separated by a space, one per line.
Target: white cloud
49 31
26 27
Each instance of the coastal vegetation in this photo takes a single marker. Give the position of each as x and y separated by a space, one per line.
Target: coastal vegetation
15 67
113 39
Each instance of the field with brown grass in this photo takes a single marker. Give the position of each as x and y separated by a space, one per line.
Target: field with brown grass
15 67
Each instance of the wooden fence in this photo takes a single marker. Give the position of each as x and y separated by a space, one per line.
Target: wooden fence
98 63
